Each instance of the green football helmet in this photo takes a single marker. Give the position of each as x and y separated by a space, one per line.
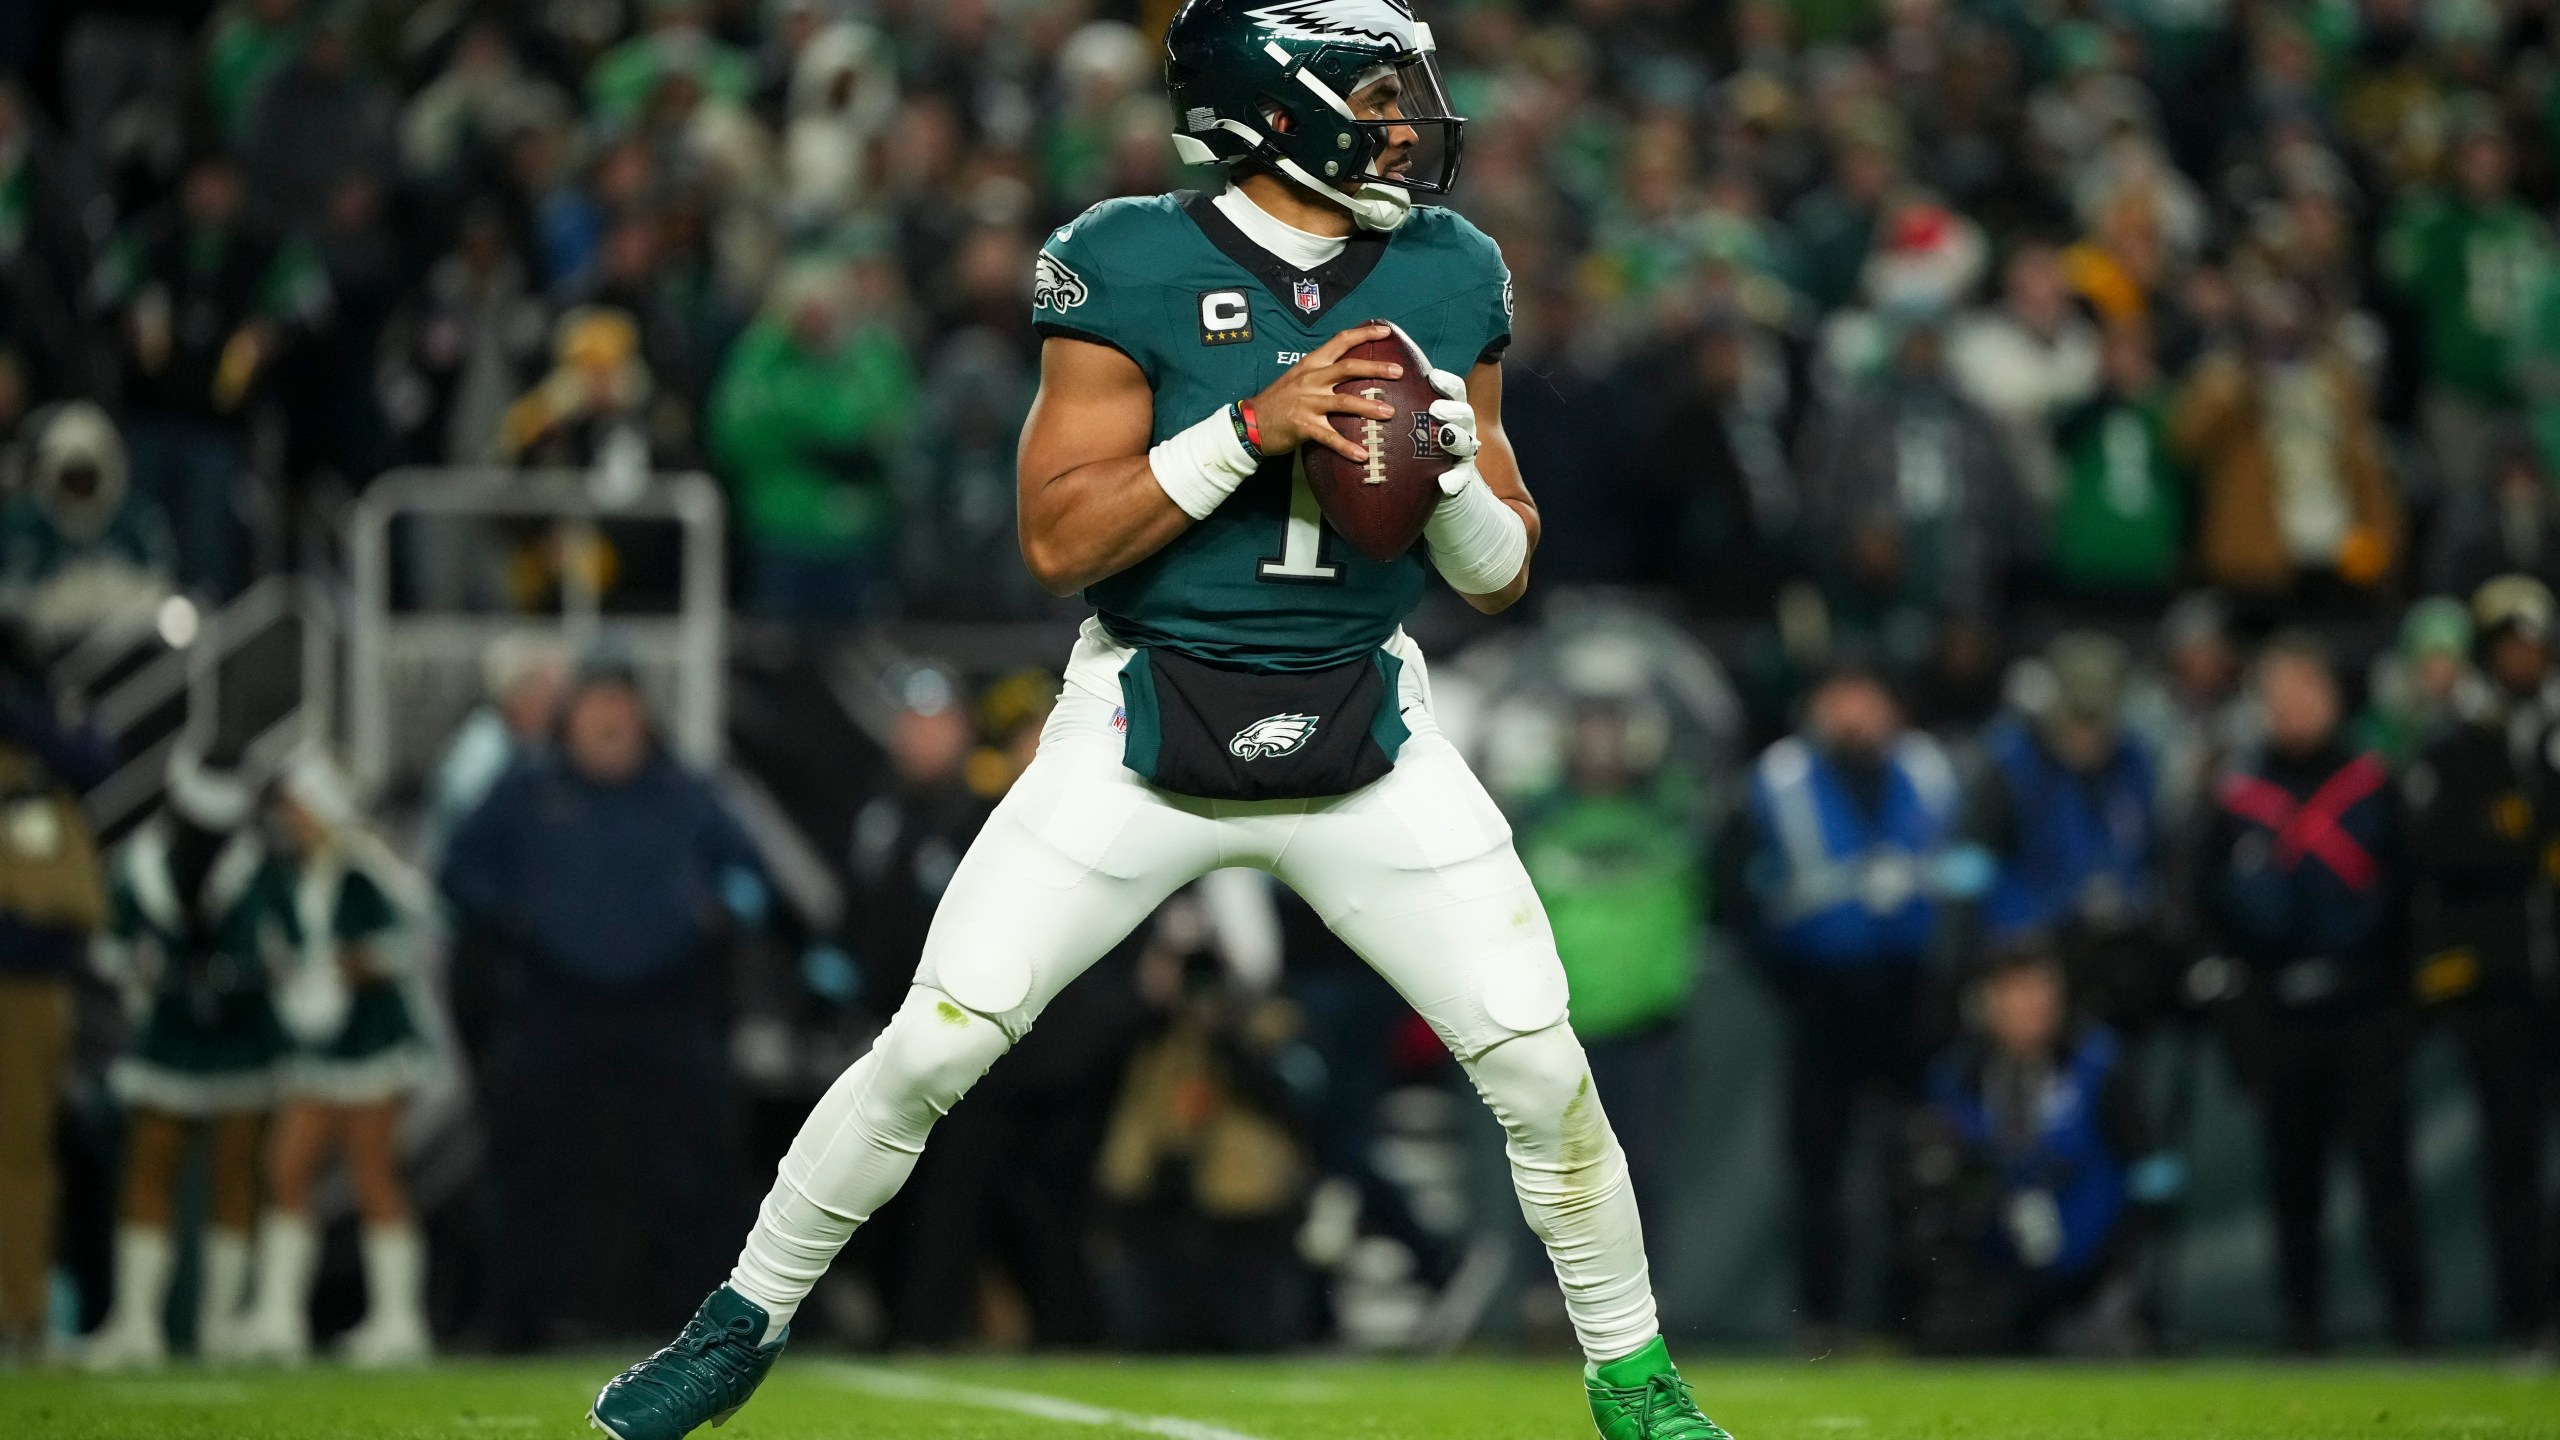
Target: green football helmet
1347 75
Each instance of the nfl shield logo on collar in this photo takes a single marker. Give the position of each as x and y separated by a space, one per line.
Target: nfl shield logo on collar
1309 295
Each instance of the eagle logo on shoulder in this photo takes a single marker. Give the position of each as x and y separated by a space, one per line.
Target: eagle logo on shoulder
1054 286
1272 735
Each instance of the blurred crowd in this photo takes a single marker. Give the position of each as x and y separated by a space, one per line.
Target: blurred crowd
1919 311
2110 444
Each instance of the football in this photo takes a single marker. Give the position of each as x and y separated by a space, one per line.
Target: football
1380 506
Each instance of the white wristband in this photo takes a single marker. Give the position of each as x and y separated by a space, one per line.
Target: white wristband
1203 465
1477 542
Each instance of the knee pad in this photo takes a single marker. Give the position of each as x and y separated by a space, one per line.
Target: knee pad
976 963
1539 1086
1525 990
936 1048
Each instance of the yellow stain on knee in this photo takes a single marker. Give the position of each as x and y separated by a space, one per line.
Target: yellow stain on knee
950 1014
1586 1135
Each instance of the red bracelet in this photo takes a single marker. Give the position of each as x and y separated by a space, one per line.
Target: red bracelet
1252 426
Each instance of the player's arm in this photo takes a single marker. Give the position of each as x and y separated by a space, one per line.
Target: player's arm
1482 531
1086 502
1501 471
1093 499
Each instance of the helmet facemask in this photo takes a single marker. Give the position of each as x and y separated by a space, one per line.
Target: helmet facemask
1368 121
1369 132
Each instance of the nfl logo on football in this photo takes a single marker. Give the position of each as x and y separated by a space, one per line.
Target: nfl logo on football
1309 294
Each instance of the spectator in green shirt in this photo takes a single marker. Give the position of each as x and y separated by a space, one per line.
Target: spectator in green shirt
1621 870
804 421
2467 258
2411 694
673 42
245 46
2120 518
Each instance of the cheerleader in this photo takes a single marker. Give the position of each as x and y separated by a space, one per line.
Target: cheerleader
358 1053
200 919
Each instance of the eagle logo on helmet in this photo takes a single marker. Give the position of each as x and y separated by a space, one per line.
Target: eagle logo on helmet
1237 62
1381 22
1054 286
1272 735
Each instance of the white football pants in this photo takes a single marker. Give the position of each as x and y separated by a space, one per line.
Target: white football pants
1415 872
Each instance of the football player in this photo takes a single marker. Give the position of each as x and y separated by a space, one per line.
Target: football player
1244 694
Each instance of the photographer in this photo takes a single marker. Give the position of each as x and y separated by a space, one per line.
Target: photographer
2036 1179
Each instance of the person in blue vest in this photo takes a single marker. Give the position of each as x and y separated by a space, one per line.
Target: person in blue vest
2043 1179
1835 880
2066 803
2302 887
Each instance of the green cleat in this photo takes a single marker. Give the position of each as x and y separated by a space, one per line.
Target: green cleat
706 1374
1642 1397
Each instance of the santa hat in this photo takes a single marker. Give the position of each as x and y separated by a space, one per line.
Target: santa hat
1927 259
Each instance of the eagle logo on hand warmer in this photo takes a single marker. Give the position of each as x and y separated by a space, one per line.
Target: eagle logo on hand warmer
1272 735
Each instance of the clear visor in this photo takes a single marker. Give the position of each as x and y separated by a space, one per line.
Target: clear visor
1413 133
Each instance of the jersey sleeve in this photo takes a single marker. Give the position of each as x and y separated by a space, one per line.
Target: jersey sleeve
1495 303
1483 308
1070 296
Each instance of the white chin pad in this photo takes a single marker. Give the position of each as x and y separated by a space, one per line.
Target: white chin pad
1374 206
1379 206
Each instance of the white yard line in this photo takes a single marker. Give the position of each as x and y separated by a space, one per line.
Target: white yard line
901 1385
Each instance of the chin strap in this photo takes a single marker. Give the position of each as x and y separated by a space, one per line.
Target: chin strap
1374 206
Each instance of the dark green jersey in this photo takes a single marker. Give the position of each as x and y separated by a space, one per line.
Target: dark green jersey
1212 318
2471 271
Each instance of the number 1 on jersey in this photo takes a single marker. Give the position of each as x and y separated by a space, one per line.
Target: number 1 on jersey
1301 559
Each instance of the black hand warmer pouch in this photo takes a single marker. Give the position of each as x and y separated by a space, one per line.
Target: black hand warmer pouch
1225 734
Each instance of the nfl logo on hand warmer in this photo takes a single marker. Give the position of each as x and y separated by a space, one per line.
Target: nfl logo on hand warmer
1426 436
1309 295
1272 735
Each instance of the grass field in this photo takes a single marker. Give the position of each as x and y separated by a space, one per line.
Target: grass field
819 1398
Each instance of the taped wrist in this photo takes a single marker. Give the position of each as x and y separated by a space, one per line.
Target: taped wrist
1477 542
1203 465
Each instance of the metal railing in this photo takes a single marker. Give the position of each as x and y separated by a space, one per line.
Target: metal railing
413 672
193 673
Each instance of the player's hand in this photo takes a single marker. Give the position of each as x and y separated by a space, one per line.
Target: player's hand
1454 421
1292 410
